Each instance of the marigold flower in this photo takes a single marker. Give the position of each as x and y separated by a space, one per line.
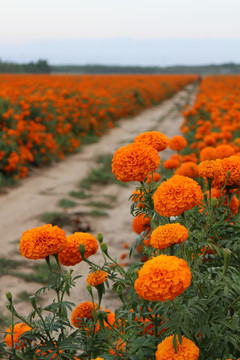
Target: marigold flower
40 242
71 255
83 311
190 157
141 223
177 143
176 195
208 153
155 139
209 168
96 278
18 331
134 162
162 278
153 177
231 165
224 151
189 169
167 235
171 164
98 358
185 351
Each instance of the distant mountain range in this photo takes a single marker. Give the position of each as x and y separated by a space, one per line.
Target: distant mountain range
124 51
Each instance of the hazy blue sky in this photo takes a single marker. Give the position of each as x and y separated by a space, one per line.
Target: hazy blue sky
30 21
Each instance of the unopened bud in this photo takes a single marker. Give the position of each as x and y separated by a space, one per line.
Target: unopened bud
82 249
9 296
89 288
214 202
100 237
104 247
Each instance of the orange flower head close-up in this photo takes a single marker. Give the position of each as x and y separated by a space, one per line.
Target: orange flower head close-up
135 162
187 350
71 255
18 331
83 311
209 168
230 173
177 143
176 195
189 169
167 235
163 278
40 242
155 139
141 223
97 277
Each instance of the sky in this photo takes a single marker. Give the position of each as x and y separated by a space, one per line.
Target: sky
27 25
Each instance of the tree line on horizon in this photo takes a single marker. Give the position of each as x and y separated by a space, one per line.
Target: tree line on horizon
42 67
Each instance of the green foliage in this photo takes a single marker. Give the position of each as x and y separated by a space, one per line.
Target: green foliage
66 203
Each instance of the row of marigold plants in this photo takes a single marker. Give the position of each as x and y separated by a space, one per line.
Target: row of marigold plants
180 299
44 117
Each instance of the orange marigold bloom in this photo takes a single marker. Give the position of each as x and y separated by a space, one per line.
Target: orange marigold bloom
209 168
190 157
153 177
176 195
171 164
224 151
185 351
208 153
96 278
42 241
98 358
167 235
189 169
141 223
162 278
83 311
71 255
155 139
177 143
134 162
18 330
232 165
210 140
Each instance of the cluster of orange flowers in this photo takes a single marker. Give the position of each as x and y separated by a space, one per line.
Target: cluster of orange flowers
45 117
40 242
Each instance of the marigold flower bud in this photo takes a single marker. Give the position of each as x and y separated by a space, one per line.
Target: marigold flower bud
104 247
100 237
214 202
82 249
9 296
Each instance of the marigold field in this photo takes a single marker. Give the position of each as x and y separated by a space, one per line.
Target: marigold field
179 298
44 117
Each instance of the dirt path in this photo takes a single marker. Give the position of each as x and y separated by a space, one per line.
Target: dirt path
21 207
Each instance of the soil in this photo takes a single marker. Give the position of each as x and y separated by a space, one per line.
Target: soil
23 206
